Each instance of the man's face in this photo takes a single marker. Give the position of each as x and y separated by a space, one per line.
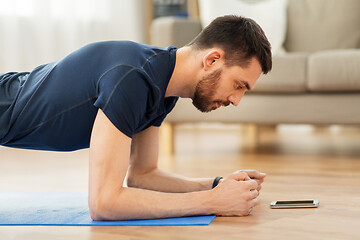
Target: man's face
225 85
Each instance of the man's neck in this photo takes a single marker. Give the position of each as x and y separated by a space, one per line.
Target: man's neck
183 80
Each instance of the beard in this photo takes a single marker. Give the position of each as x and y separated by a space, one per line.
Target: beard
205 91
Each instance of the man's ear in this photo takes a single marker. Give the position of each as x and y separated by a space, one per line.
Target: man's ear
212 57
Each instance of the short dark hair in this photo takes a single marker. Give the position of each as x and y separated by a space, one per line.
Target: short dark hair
241 38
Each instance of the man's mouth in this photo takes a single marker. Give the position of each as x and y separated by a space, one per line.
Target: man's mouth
218 104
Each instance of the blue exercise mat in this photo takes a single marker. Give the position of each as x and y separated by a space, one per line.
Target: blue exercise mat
70 209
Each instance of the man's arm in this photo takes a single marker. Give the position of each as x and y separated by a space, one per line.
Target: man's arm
109 200
144 172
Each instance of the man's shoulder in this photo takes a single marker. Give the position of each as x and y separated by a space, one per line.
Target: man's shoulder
142 48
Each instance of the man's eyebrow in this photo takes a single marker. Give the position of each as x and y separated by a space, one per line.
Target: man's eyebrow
246 84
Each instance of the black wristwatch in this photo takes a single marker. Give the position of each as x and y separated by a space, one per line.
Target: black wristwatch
216 181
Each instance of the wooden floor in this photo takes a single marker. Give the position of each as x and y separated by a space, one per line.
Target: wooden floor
301 163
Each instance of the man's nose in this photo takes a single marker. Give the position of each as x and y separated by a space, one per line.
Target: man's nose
235 99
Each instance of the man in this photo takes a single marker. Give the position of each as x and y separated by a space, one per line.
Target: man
113 96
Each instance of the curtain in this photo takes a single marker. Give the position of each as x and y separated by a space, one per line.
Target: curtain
34 32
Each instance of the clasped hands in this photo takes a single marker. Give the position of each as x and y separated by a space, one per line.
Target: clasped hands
238 193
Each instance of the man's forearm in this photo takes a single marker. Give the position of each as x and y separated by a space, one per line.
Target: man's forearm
162 181
133 203
235 196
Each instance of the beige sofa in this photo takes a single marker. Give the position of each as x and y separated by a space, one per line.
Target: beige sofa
316 81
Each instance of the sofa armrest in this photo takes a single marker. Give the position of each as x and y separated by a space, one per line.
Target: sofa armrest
173 31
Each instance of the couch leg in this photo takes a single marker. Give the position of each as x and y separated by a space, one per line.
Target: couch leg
251 136
167 138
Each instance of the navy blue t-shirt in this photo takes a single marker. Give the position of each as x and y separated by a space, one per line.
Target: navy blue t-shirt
54 106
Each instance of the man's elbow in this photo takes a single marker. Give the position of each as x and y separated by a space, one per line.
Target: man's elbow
97 209
138 178
102 209
95 212
131 182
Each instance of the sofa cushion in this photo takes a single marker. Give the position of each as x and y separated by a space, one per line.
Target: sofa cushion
316 108
315 25
178 32
288 75
337 70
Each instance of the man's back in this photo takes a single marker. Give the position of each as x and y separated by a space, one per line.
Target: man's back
56 104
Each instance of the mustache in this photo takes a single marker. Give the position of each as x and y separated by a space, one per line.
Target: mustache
227 103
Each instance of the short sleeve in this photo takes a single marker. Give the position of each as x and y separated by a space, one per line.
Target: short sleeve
122 95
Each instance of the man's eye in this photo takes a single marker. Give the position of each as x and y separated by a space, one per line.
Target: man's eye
238 86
